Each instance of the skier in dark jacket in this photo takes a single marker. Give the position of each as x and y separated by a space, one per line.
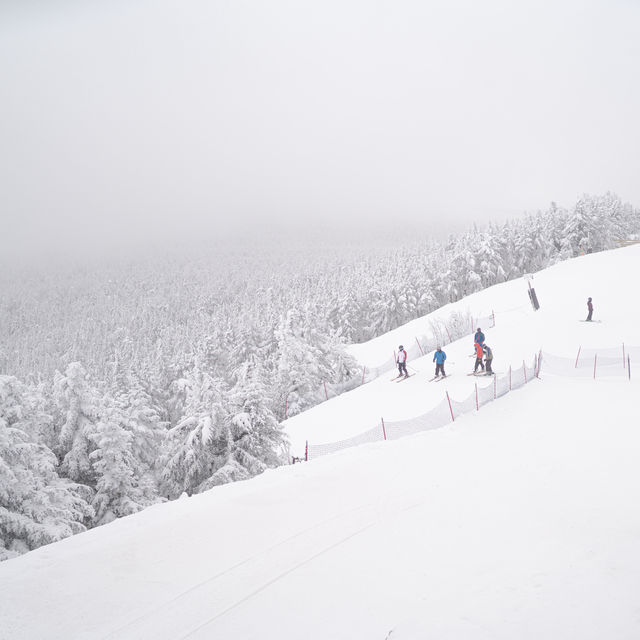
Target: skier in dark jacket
439 357
401 361
488 358
479 337
590 309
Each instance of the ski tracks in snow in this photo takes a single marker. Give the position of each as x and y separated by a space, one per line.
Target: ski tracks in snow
214 597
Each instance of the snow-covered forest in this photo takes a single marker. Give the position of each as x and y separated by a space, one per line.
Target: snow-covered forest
127 384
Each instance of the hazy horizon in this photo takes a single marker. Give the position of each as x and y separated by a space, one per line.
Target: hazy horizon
148 122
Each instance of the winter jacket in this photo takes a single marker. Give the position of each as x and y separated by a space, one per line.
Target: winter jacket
479 337
590 305
439 357
478 347
402 356
488 354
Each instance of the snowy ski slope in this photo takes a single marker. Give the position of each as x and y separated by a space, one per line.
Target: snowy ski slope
516 521
519 333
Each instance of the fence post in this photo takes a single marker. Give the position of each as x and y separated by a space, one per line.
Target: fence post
510 387
363 370
580 347
448 334
306 451
384 432
629 366
524 370
285 408
477 406
326 395
450 408
595 361
419 347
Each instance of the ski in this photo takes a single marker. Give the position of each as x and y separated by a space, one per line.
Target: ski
402 378
473 373
590 321
441 378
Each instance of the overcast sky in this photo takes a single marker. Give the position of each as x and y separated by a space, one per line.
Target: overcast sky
166 117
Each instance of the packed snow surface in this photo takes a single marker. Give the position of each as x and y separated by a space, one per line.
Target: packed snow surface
517 521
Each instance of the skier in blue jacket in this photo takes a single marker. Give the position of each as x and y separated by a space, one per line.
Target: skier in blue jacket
479 337
439 357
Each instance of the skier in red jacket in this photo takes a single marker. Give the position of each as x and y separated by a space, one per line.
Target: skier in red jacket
479 355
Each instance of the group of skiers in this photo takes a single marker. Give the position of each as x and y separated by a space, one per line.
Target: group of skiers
484 358
482 351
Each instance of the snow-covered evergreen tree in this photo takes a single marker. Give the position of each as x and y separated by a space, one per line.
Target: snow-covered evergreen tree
36 505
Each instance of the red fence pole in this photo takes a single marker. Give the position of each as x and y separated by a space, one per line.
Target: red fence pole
419 347
477 406
595 360
629 366
326 395
450 409
306 451
448 334
524 370
285 408
580 347
363 370
384 432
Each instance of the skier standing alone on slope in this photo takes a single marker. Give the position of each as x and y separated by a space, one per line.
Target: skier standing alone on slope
590 308
401 361
479 355
439 357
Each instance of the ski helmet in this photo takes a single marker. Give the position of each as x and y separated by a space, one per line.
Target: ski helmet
401 347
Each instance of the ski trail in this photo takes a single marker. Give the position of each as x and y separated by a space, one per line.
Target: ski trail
163 607
276 578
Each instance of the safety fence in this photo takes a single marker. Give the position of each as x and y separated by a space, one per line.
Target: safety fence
442 414
442 333
594 363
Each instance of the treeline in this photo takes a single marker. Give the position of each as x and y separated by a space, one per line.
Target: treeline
132 383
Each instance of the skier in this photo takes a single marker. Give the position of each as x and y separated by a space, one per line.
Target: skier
479 355
590 308
488 358
439 357
401 361
479 337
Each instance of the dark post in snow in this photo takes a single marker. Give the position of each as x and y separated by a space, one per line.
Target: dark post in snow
532 293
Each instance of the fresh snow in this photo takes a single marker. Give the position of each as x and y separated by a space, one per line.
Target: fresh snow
517 521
